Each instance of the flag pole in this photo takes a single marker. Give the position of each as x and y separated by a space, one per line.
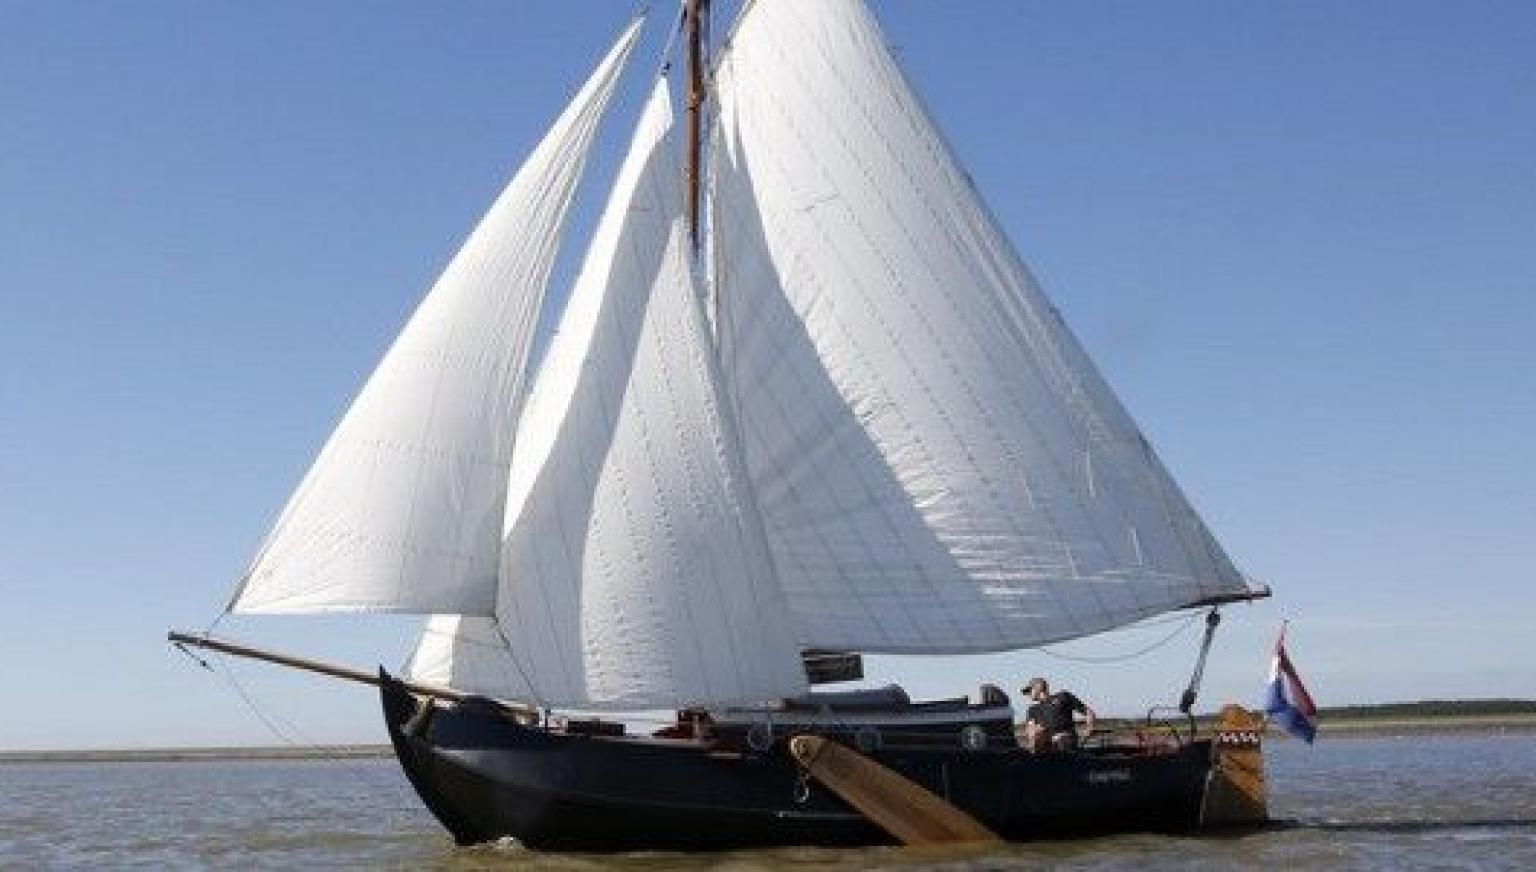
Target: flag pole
1274 658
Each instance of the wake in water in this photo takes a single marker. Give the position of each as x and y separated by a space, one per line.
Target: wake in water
1388 827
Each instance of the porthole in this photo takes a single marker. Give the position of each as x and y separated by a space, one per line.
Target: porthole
760 736
867 739
973 738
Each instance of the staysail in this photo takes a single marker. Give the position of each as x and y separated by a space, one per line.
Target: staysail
464 653
402 511
634 572
938 465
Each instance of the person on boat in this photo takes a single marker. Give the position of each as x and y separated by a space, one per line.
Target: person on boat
1051 723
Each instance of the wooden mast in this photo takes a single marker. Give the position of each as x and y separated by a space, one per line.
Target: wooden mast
695 16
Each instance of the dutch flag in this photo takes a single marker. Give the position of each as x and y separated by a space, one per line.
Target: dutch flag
1288 701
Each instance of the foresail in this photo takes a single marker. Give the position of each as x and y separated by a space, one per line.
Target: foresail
464 653
634 574
402 510
938 465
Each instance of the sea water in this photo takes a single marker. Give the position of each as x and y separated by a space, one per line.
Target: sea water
1459 801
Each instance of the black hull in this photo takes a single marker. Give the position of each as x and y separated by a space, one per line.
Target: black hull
486 777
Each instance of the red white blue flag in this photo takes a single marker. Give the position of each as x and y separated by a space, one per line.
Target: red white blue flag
1288 701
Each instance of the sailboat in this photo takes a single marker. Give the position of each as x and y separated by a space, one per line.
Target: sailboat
804 402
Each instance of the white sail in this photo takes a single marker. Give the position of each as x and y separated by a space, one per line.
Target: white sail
402 511
634 574
465 653
937 463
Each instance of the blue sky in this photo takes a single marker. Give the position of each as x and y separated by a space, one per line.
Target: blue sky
1299 238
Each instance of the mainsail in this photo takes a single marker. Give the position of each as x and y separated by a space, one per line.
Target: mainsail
402 511
938 465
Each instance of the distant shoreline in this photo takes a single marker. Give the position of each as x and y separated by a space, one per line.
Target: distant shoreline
197 755
1495 724
1342 728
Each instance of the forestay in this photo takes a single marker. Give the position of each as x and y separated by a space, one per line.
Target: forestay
403 509
938 465
634 572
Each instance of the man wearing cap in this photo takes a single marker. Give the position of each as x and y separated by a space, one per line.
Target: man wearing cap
1050 725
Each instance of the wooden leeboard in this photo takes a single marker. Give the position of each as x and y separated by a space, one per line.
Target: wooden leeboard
897 805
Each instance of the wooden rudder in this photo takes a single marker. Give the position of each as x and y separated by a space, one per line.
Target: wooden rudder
1235 793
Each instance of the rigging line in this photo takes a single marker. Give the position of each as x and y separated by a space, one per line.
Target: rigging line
1120 658
1158 621
250 703
297 739
293 735
195 659
666 51
533 692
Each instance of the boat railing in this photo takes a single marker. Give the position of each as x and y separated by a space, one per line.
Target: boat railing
1167 726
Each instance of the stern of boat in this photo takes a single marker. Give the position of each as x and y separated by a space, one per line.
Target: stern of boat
1236 794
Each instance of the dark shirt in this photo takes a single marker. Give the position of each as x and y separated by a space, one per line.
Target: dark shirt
1054 713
